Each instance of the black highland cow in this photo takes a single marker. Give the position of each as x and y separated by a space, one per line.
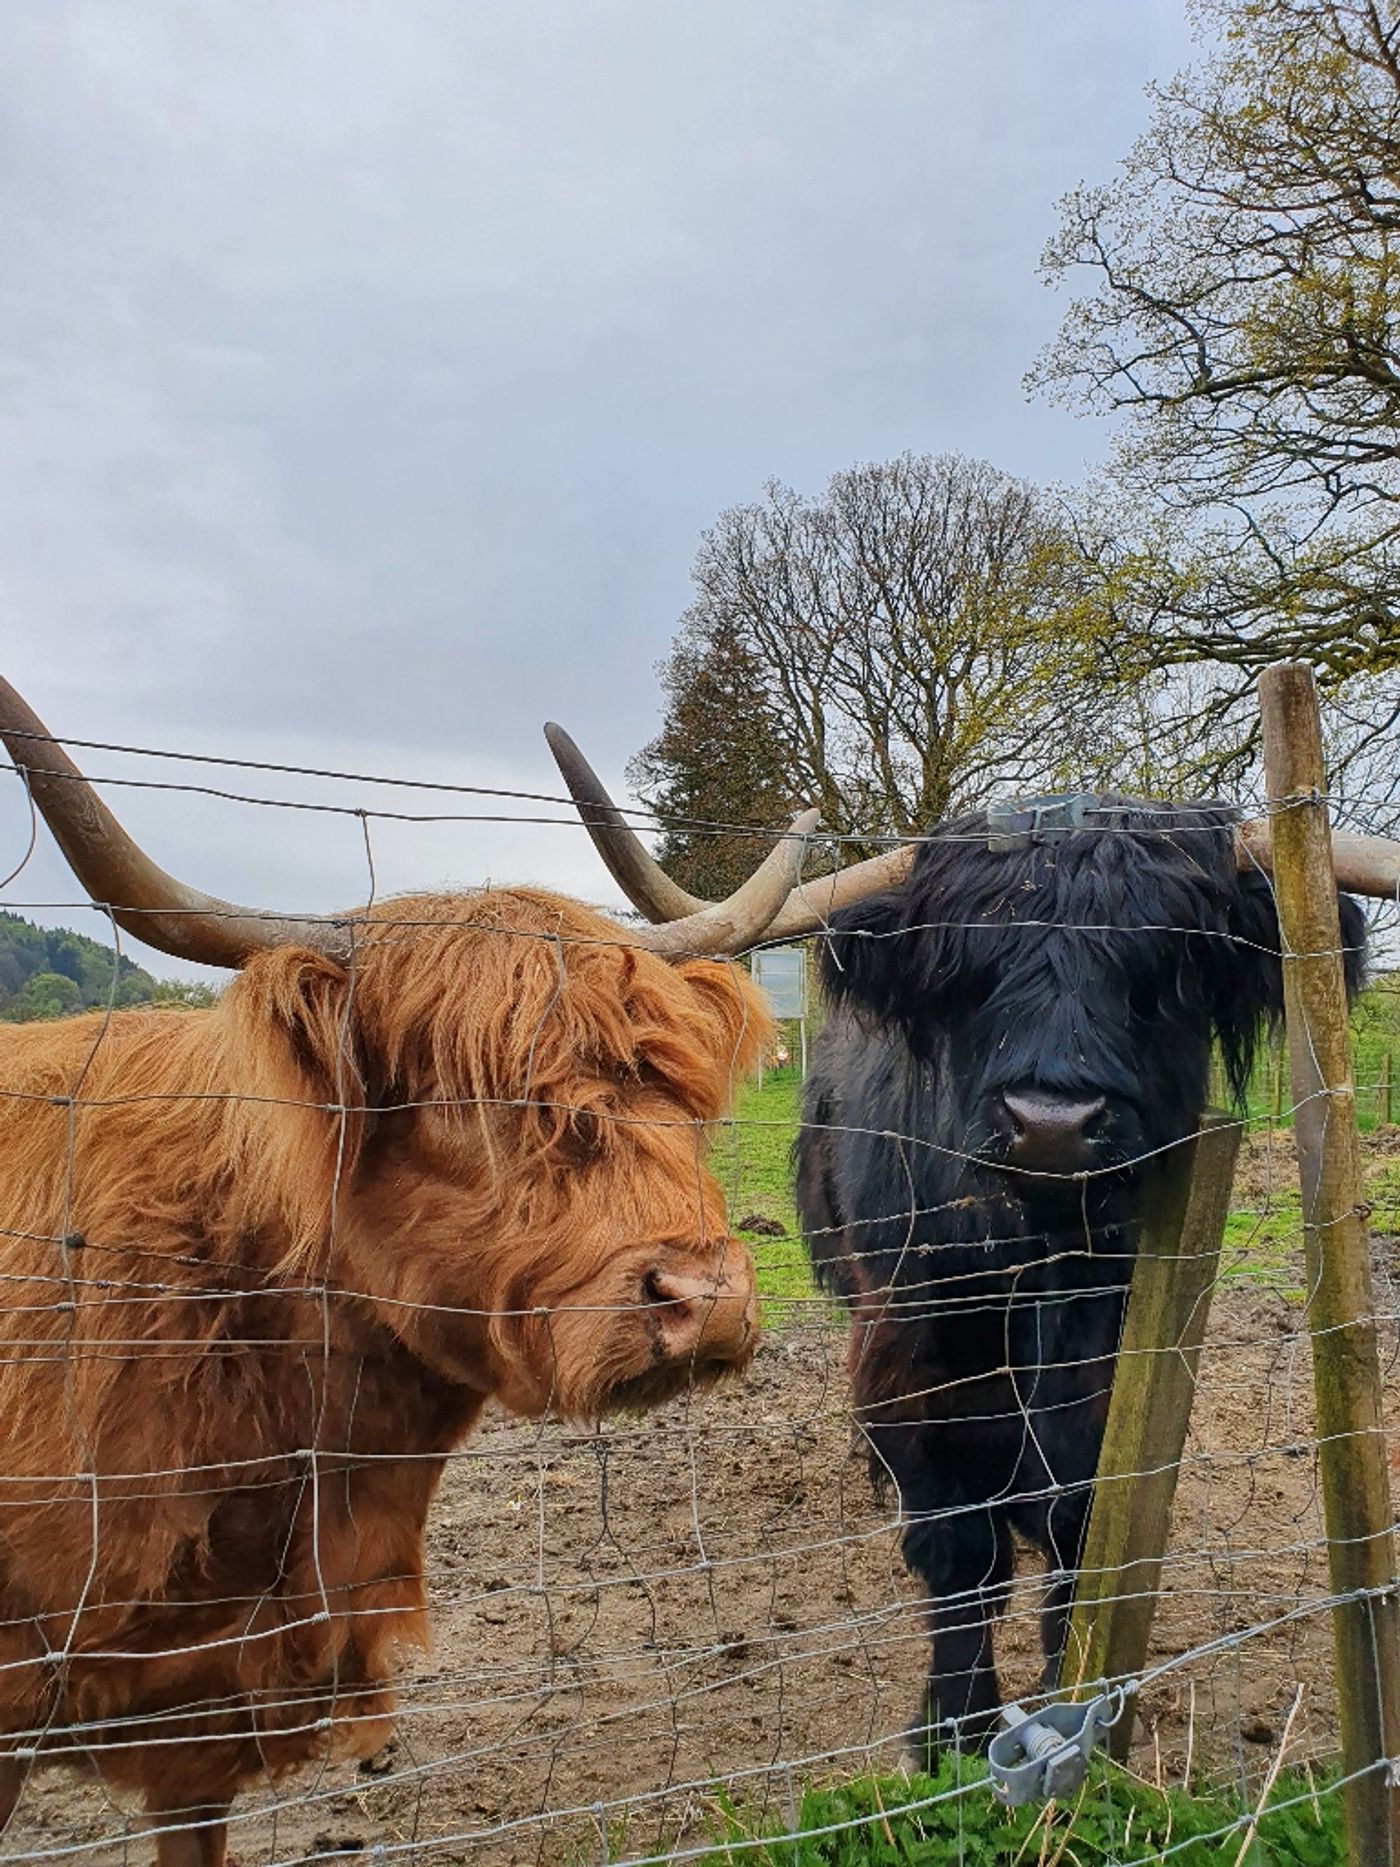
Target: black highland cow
1016 1032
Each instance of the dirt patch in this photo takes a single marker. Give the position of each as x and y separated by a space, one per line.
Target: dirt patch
1266 1171
623 1617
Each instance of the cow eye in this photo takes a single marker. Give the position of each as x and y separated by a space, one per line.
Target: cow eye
639 1074
582 1140
1145 998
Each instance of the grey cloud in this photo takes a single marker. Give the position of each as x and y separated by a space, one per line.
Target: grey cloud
368 371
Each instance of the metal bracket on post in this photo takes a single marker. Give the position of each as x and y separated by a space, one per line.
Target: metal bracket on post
1036 1756
1017 823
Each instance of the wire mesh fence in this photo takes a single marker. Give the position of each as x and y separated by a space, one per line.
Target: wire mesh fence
689 1627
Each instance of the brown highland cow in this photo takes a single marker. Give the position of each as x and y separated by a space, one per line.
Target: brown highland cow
263 1265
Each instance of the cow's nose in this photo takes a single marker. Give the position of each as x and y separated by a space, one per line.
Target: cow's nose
706 1307
1050 1133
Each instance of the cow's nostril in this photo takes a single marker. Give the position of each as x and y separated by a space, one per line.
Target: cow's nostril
697 1312
1052 1131
675 1290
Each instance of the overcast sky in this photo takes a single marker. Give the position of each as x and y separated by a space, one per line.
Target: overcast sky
370 368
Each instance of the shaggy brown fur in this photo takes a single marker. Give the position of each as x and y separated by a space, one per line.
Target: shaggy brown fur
308 1233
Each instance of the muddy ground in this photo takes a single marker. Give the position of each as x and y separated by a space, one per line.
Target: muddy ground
623 1618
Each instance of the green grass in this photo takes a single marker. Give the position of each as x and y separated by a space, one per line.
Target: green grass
1375 1044
753 1159
934 1821
1265 1248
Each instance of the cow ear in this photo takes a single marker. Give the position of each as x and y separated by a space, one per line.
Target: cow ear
1247 986
316 1006
1356 956
299 1032
735 1011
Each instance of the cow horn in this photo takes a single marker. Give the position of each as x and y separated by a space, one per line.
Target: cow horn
1363 865
640 877
731 925
652 892
183 921
120 876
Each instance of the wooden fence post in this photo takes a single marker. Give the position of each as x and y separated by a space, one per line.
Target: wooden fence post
1341 1308
1385 1112
1168 1306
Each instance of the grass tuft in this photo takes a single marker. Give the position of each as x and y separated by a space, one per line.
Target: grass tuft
1116 1820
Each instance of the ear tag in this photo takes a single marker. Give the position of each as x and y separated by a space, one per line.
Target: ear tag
1022 822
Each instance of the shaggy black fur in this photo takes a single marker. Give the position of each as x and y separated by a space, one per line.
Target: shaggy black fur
987 1304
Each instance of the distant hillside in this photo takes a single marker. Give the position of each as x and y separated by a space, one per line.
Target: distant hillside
48 973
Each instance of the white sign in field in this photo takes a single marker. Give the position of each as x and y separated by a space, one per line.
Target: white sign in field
782 972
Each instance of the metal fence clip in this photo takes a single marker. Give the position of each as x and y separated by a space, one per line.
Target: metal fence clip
1035 1756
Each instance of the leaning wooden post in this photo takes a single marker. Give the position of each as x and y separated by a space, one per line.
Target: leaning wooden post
1174 1278
1341 1308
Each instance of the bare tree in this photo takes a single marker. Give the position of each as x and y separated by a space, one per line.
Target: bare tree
917 639
1244 315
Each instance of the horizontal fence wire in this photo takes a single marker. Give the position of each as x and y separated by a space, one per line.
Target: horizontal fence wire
691 1628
